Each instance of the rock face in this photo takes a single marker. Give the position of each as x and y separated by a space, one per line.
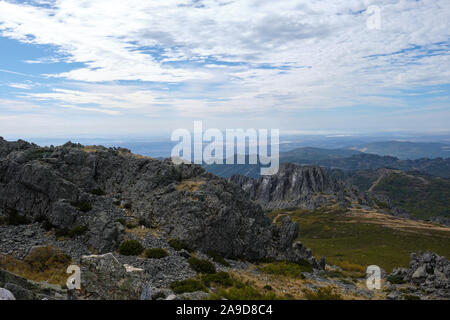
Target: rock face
104 278
95 187
23 289
428 271
295 186
6 295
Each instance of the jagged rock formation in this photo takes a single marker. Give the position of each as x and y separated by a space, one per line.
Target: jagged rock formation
428 271
23 289
73 185
295 186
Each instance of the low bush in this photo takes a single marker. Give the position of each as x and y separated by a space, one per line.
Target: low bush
189 285
217 257
83 206
98 192
71 233
396 279
284 268
156 253
179 245
411 297
13 218
245 292
221 278
131 248
42 264
201 266
324 293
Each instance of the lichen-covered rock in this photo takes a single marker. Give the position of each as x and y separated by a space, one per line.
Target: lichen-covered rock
103 277
429 272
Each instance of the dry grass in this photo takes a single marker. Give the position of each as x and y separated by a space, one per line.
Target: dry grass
189 185
42 264
140 232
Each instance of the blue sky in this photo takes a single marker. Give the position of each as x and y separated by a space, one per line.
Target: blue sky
77 68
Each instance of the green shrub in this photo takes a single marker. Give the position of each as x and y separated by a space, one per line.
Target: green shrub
98 192
13 218
179 245
189 285
127 205
324 293
268 288
82 205
220 278
201 266
411 297
245 292
75 231
159 295
122 221
156 253
35 154
131 248
217 257
396 279
305 265
284 268
45 258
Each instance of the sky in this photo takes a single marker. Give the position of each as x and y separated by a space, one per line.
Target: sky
76 68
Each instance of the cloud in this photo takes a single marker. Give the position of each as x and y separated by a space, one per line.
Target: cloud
222 57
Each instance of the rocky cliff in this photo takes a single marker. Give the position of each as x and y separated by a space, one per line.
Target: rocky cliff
73 187
296 186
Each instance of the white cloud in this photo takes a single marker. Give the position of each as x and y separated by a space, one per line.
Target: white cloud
332 59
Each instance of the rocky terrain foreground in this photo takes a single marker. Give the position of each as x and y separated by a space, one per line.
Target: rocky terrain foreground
142 228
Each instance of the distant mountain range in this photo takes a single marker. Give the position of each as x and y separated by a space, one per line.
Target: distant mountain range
406 150
344 159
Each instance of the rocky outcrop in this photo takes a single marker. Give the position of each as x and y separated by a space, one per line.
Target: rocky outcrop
6 294
95 187
428 271
295 186
23 289
105 278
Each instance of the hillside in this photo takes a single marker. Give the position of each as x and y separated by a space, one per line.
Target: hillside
406 150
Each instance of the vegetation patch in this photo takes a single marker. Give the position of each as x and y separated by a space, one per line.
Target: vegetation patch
156 253
201 266
131 248
356 241
221 278
98 192
179 245
83 206
217 257
42 264
324 293
188 285
71 233
13 218
284 268
395 279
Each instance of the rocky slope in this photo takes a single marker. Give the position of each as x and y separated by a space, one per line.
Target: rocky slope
295 186
73 187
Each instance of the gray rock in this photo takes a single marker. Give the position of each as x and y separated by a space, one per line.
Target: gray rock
6 295
104 277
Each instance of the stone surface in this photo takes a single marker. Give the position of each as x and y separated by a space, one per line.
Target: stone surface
296 186
6 295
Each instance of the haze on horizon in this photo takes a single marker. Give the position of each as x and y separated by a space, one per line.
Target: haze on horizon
122 68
